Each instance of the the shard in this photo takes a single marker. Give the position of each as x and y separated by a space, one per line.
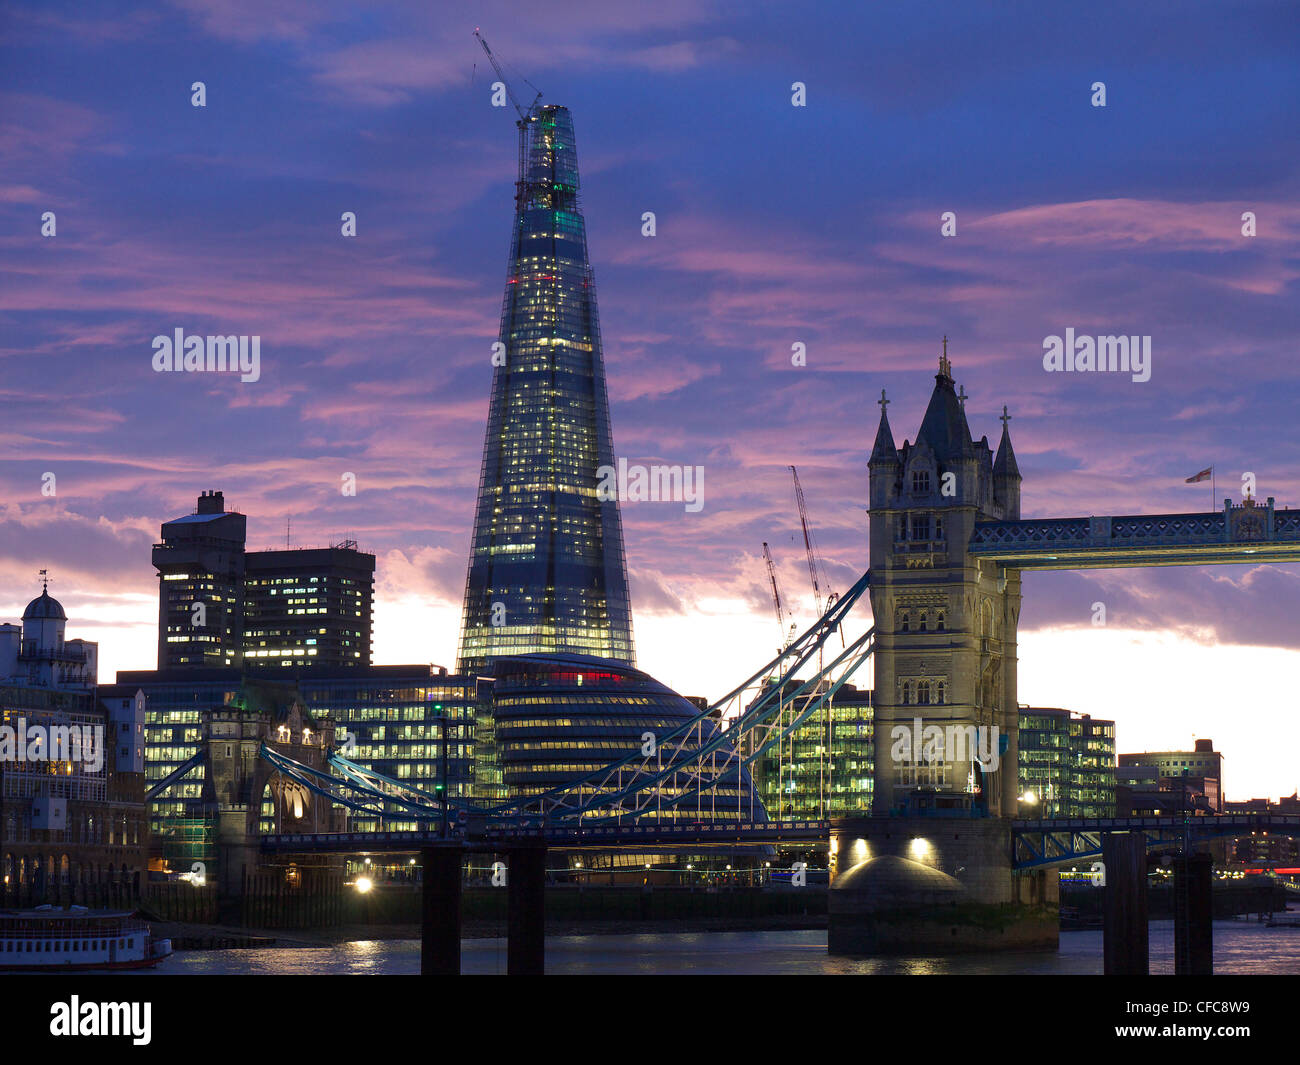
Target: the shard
546 569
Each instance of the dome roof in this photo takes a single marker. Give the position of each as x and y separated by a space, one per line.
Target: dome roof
892 878
43 607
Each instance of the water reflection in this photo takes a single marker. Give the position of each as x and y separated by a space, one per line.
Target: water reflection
1239 947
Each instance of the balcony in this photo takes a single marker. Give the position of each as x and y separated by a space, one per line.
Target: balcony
30 653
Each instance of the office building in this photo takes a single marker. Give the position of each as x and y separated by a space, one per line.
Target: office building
1067 764
824 767
200 564
560 717
389 719
221 606
308 606
1196 774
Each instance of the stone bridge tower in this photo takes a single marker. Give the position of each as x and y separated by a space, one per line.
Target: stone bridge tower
238 780
945 621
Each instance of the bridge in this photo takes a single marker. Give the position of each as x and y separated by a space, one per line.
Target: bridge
1035 843
947 551
1246 533
603 838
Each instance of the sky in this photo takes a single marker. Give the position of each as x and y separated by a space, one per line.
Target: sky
776 225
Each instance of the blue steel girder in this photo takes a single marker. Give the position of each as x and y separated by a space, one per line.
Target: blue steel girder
766 728
369 778
1035 844
343 789
176 775
1249 533
634 785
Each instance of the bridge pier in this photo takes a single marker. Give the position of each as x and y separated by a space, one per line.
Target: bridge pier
1193 916
526 911
440 911
1125 943
935 885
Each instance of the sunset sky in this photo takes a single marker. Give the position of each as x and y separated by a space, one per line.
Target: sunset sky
775 225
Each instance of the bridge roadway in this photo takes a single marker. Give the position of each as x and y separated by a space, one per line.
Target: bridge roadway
603 837
1034 843
1249 533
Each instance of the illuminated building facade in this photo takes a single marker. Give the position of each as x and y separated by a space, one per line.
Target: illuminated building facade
394 713
220 606
200 564
1067 764
1198 773
546 571
559 717
308 606
824 767
73 827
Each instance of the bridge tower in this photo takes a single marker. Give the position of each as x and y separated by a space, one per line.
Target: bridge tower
945 621
930 870
238 781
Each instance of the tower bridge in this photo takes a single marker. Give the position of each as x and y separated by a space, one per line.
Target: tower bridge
947 548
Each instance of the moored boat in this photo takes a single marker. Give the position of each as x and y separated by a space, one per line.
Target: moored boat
46 939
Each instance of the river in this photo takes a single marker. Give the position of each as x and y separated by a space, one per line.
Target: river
1239 947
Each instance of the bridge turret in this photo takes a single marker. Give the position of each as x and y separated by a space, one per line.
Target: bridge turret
1006 475
883 466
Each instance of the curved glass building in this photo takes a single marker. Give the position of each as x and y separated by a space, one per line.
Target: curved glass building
546 570
563 716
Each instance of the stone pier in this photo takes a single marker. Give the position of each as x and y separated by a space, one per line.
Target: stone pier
935 885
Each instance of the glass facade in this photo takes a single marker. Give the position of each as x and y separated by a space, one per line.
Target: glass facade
560 717
546 570
813 774
1066 764
394 714
397 723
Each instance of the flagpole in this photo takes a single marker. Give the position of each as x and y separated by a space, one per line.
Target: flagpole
1213 491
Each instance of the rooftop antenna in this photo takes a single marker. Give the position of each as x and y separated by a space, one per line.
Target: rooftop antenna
288 524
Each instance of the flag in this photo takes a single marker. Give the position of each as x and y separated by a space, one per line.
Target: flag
1204 475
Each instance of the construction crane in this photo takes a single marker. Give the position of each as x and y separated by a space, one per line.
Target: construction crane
814 560
524 116
786 637
825 768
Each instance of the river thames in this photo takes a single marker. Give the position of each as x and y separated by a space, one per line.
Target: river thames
1239 947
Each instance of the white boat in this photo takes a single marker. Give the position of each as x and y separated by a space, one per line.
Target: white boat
46 939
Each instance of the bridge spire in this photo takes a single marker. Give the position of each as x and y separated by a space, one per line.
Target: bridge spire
1004 465
884 449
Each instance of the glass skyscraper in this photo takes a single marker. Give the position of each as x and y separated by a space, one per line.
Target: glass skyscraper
546 570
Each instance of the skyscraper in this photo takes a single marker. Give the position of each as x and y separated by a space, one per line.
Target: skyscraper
200 564
546 569
308 606
220 605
